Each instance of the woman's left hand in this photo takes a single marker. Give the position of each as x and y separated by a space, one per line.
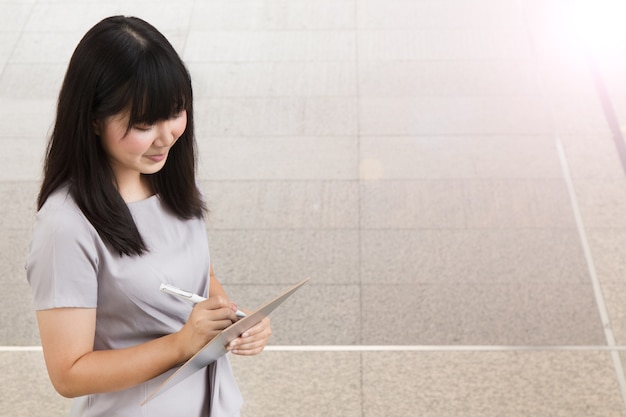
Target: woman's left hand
253 341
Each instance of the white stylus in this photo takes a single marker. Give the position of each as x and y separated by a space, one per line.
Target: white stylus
170 289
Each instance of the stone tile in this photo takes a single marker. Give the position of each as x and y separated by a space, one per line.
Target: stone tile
265 257
552 35
609 73
618 104
57 46
282 205
421 204
263 46
490 384
606 245
331 116
79 16
284 116
47 47
273 79
26 118
579 115
274 15
249 117
21 159
16 305
32 81
516 115
479 244
7 43
17 313
495 257
557 23
14 16
171 18
447 78
13 252
24 380
452 204
315 384
443 44
454 157
602 202
119 3
592 156
518 204
278 158
315 315
407 14
19 205
481 314
614 295
565 79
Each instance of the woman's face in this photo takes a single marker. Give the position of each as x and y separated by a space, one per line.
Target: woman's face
141 150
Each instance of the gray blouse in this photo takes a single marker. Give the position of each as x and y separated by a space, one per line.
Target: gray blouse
70 266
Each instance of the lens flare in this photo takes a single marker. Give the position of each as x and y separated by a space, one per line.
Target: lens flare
600 26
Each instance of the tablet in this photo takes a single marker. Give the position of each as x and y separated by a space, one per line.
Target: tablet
217 346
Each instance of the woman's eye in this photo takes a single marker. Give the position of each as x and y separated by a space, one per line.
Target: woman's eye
143 127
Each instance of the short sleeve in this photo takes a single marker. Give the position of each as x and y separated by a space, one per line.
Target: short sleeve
62 264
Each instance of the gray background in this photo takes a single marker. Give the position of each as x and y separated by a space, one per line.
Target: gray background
443 170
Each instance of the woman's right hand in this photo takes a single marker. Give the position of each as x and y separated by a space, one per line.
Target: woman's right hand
207 319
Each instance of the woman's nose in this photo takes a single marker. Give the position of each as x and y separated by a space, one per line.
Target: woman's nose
165 134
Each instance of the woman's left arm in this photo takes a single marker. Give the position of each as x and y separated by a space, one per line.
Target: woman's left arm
254 340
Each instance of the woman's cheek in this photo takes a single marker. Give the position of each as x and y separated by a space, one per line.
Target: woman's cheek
139 144
180 124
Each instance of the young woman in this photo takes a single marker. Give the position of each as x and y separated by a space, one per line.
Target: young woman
119 214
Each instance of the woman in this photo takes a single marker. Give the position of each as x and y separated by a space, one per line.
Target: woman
119 214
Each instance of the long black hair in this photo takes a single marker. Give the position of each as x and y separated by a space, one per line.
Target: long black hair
121 64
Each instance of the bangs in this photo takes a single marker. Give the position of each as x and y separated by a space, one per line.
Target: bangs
160 90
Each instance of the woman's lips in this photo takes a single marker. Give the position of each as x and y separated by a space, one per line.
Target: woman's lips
156 158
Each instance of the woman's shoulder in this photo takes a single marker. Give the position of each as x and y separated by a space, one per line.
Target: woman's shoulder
60 211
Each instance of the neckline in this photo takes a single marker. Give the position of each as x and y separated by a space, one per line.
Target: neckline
145 200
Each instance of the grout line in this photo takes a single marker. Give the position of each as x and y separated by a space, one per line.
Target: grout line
406 348
359 192
21 349
595 281
575 206
440 348
186 42
359 180
608 109
17 40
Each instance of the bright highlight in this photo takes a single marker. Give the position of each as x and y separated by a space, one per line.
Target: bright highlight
600 25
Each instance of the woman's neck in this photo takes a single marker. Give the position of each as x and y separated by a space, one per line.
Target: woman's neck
135 189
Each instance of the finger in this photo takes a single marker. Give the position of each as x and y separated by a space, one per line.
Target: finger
262 326
247 352
248 348
220 325
254 343
214 303
219 314
226 314
249 338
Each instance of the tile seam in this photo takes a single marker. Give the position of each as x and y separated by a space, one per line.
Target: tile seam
404 348
575 207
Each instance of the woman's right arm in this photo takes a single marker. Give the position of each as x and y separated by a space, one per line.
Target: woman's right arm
76 369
